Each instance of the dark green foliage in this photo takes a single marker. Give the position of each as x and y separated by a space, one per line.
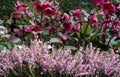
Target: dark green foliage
6 7
67 5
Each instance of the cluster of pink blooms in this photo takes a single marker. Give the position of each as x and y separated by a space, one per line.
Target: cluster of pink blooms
90 62
20 10
106 5
67 22
46 8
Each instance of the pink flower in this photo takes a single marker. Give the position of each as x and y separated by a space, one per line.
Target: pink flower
68 26
77 12
35 28
66 17
46 8
93 19
64 38
118 34
47 5
50 11
27 29
99 1
19 10
77 27
106 23
108 8
29 13
18 14
115 23
38 6
118 7
18 32
20 6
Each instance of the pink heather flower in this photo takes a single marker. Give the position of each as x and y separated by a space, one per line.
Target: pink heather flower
77 27
93 19
77 12
99 1
108 8
91 63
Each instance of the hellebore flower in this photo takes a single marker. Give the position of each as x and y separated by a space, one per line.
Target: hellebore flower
108 8
99 1
19 10
77 27
64 38
27 29
68 26
106 23
93 19
116 22
50 11
20 6
18 14
29 13
18 32
38 6
47 5
48 8
118 7
66 17
77 12
35 28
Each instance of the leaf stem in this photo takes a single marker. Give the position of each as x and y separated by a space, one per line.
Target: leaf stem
109 41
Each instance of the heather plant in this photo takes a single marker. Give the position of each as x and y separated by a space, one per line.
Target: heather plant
39 61
75 28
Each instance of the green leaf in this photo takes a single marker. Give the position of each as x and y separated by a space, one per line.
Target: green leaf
2 41
1 47
117 45
55 40
114 42
45 33
86 29
70 47
9 46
